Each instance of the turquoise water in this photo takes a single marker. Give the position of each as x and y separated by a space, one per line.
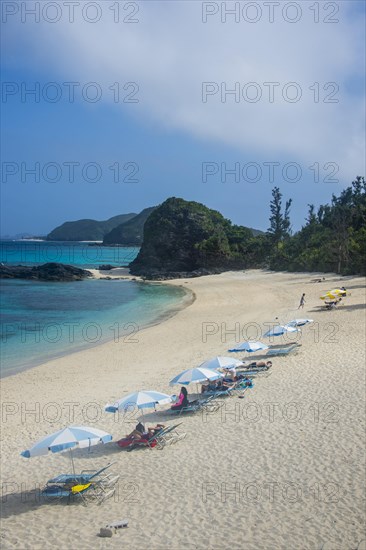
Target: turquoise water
42 320
74 253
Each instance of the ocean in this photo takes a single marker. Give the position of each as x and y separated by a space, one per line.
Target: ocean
80 254
43 320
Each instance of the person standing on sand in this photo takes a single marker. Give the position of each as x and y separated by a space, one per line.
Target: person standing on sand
302 301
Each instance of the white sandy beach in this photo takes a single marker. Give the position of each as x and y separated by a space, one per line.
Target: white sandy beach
283 468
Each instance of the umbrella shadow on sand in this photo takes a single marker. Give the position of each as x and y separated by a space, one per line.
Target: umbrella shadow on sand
20 500
353 307
158 416
22 497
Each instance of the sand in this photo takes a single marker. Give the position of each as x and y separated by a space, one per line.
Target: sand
282 468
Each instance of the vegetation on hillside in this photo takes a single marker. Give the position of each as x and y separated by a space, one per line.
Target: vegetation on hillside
186 236
129 233
86 230
332 239
181 236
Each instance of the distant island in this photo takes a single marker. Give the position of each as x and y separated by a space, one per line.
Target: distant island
87 230
130 232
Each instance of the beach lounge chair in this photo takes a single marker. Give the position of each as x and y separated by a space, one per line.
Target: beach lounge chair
255 366
219 392
56 492
170 435
239 385
95 490
252 369
283 351
128 443
94 483
211 404
162 437
84 477
332 304
246 383
261 373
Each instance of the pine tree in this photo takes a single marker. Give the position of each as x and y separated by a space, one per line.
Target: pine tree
280 225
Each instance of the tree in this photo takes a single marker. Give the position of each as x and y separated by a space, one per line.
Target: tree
280 225
334 239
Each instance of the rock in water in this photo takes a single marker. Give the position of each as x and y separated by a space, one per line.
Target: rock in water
46 272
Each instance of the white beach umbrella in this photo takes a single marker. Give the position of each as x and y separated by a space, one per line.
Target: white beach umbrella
250 347
279 330
141 400
197 375
221 363
66 439
298 322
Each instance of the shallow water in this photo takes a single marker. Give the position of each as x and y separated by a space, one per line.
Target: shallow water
42 320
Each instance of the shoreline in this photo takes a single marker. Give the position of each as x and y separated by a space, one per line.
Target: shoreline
299 431
183 303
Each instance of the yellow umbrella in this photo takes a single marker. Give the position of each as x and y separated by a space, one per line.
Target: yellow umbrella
333 294
338 292
328 296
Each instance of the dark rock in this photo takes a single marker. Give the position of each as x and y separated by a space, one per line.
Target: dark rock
152 275
106 267
46 272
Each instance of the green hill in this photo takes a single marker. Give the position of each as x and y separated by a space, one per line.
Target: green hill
129 233
87 230
181 236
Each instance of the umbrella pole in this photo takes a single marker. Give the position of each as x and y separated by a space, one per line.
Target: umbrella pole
72 462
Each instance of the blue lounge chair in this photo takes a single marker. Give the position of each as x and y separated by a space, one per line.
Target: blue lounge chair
283 351
84 477
211 404
90 483
219 393
97 491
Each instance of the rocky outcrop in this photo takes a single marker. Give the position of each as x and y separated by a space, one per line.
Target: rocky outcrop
45 272
106 267
188 239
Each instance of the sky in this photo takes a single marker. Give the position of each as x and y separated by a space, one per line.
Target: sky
109 107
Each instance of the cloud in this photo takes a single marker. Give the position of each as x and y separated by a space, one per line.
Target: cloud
170 53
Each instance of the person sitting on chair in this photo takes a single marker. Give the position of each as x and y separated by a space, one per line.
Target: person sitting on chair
209 386
137 433
182 400
229 375
224 384
260 364
154 430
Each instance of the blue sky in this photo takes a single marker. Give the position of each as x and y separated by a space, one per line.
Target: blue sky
170 137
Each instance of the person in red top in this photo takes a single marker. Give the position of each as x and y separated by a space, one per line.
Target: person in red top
182 400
